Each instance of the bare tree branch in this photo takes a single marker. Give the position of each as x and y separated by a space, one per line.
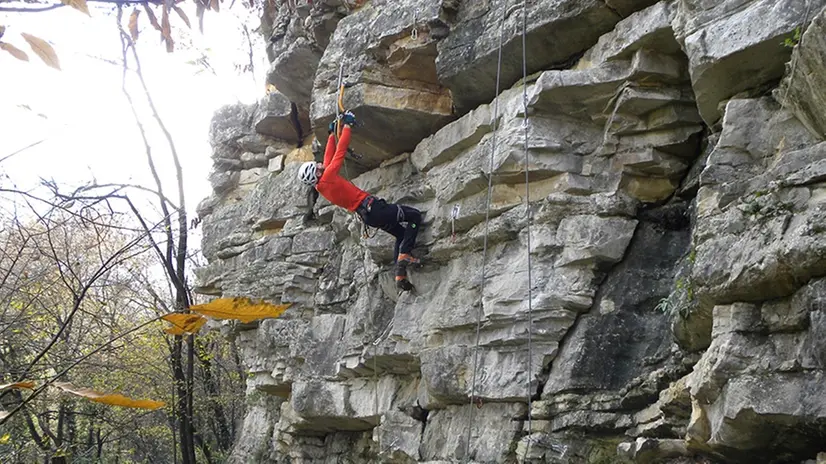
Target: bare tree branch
58 5
31 145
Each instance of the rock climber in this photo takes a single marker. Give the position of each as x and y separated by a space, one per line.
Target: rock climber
400 221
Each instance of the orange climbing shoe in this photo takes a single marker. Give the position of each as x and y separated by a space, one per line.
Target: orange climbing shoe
407 258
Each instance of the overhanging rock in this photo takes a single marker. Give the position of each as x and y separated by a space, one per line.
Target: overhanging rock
557 32
802 87
276 116
735 45
391 76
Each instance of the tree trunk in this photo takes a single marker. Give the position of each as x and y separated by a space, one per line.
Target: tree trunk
71 432
182 411
222 432
190 386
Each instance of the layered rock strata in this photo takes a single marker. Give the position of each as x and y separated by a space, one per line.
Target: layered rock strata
676 194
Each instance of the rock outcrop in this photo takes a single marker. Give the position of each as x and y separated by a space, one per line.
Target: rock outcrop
674 208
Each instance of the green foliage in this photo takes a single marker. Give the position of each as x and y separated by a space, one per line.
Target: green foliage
762 205
681 298
790 42
664 305
58 256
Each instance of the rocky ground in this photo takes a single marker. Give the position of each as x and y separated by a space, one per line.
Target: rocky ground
677 200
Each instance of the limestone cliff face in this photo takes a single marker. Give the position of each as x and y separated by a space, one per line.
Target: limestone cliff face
678 202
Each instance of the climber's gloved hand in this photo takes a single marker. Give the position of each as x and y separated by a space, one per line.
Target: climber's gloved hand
348 118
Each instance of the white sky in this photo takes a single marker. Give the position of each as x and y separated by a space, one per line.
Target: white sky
86 121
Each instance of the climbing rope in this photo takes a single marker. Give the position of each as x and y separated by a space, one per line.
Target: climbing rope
495 124
375 345
528 214
528 228
365 234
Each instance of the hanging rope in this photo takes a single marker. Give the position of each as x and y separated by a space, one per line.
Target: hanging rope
528 214
495 124
375 345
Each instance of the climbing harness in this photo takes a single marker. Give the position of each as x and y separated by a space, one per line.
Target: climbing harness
366 206
454 214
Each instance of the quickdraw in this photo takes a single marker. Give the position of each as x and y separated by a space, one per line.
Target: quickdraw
414 34
454 214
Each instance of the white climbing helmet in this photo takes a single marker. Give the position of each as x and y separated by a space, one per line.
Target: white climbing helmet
308 173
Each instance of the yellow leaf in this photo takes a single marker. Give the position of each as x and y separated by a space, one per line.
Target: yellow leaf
15 52
183 323
242 309
133 24
111 399
79 5
166 31
43 50
28 384
182 15
174 330
5 439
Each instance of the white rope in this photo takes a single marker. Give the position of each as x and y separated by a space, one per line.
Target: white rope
495 124
529 217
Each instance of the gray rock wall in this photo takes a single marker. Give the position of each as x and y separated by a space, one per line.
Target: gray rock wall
676 185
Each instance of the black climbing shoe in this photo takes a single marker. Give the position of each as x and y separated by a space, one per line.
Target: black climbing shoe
403 284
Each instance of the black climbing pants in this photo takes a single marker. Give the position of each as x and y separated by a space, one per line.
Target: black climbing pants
399 221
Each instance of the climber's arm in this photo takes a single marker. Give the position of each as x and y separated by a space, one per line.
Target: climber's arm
341 150
330 149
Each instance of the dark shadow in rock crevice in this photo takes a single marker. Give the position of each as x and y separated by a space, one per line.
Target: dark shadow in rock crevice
626 335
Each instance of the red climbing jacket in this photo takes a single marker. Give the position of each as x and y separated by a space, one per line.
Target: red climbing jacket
332 186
